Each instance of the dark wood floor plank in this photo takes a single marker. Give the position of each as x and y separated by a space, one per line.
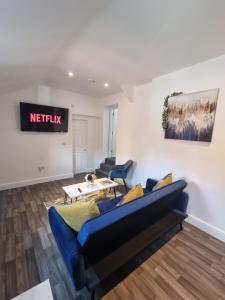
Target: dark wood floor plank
22 274
2 254
45 242
32 269
27 239
10 280
2 284
60 291
68 282
10 247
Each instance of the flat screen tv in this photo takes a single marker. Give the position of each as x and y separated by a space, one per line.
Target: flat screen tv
43 118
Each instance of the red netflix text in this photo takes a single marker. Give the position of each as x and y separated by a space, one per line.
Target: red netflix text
42 118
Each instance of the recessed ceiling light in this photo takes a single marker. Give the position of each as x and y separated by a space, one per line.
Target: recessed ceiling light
70 74
106 84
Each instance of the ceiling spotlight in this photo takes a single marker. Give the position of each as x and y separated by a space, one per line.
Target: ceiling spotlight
70 74
106 84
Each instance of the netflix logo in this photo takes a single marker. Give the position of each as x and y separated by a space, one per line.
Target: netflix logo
43 118
37 118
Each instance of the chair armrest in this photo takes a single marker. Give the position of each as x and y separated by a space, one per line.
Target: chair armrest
117 174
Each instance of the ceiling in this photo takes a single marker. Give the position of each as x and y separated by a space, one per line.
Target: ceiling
118 41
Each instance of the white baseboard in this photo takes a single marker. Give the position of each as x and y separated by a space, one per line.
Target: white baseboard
210 229
12 185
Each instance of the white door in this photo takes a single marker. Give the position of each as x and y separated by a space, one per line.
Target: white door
80 145
113 131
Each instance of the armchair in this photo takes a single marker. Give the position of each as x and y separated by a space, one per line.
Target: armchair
121 171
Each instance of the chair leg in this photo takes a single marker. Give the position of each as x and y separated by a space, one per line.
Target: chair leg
181 226
124 182
93 295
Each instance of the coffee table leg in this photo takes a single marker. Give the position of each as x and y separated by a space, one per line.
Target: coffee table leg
65 199
114 189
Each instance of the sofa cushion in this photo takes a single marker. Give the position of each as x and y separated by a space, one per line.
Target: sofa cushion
150 183
105 205
163 182
134 193
77 214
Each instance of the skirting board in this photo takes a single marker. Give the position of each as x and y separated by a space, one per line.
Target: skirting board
17 184
208 228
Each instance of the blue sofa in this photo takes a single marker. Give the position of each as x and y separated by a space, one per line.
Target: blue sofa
99 237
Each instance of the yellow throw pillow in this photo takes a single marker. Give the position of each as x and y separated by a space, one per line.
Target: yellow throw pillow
168 179
75 215
134 193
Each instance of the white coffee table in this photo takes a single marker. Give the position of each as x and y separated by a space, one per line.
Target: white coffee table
81 189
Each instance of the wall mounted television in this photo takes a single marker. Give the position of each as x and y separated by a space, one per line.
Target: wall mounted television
43 118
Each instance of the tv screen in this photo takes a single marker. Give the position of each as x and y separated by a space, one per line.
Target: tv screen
35 117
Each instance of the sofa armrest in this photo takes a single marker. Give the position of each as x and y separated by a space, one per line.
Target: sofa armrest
182 203
69 248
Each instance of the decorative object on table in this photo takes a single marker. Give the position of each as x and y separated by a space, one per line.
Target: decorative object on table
191 116
165 109
120 172
90 178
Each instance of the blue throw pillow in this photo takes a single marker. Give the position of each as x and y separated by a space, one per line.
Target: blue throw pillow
108 204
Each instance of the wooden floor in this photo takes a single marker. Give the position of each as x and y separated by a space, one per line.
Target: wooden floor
183 265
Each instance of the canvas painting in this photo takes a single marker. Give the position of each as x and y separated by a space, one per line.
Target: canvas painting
191 116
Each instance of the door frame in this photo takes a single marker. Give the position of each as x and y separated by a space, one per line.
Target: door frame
110 132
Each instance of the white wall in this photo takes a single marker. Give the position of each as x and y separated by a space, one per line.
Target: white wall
141 138
21 153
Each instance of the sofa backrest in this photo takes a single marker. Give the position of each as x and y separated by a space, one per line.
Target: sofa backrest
109 230
127 165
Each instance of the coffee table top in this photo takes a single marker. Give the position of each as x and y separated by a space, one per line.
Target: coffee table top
98 185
